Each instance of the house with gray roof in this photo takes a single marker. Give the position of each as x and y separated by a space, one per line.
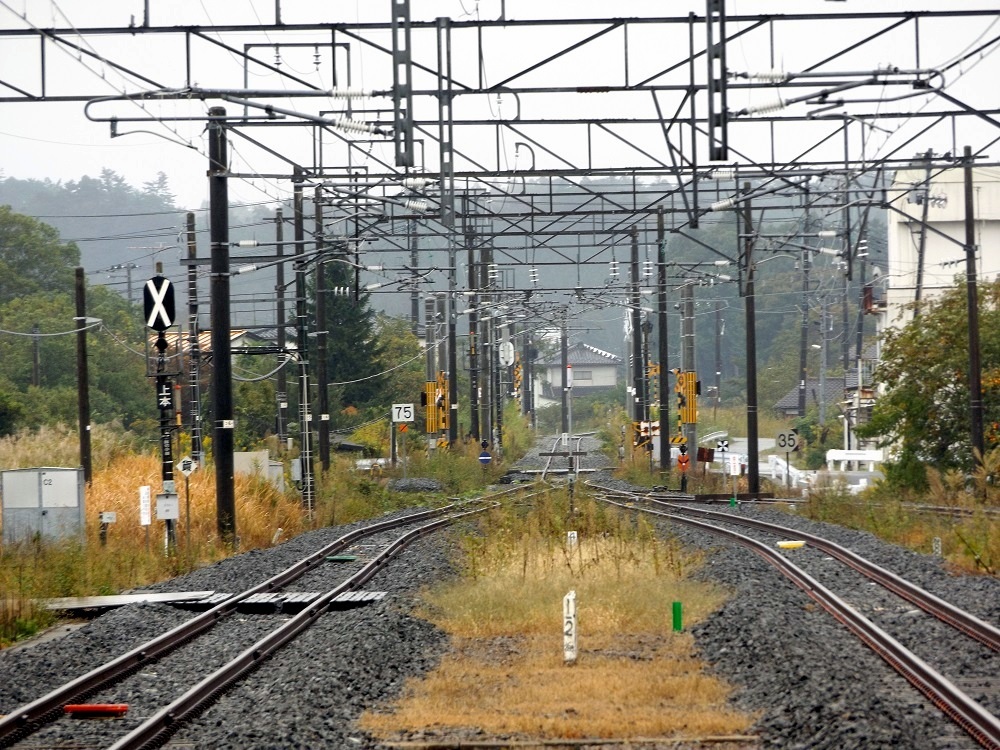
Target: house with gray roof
593 370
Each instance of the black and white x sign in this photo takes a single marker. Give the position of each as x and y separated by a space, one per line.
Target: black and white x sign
158 303
722 446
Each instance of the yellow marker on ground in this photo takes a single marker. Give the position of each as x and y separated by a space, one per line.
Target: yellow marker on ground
791 544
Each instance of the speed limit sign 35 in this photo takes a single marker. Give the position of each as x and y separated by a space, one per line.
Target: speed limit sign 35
787 441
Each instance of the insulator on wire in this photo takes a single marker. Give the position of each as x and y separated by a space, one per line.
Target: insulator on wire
533 275
352 126
416 183
647 269
723 173
349 93
766 107
723 205
416 205
492 272
769 76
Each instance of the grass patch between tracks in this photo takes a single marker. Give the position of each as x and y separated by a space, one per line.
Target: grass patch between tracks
505 675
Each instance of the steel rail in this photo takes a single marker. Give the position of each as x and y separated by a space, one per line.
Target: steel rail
28 718
979 723
167 720
548 459
959 619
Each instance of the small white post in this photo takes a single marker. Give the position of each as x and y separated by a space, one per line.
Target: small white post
569 628
571 538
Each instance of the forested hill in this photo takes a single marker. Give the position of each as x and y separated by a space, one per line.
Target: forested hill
123 231
111 221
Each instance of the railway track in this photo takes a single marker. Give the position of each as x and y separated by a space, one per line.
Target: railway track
980 724
252 643
311 691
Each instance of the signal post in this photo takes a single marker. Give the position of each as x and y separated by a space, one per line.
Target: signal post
159 311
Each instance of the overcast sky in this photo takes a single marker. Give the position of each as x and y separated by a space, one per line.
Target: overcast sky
56 141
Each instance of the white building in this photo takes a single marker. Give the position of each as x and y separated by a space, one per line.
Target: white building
924 261
593 370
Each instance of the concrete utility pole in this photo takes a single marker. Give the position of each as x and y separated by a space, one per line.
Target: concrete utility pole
486 342
302 342
564 377
637 365
452 369
474 429
661 348
222 362
804 333
430 371
753 447
925 192
83 376
972 296
719 327
36 356
822 365
322 397
497 380
279 240
194 346
413 240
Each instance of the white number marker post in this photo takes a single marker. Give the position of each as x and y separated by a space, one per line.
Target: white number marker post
187 465
145 511
734 471
569 628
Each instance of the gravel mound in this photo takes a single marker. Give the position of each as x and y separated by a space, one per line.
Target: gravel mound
415 484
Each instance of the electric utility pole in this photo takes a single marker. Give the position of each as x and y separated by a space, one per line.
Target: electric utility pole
975 376
194 346
753 455
222 363
661 349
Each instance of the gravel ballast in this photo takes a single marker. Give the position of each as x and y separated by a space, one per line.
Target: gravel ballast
812 684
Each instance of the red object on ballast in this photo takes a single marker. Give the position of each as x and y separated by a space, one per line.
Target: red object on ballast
88 710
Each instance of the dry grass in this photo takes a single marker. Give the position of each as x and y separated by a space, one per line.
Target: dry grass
260 508
622 687
505 674
619 590
969 543
135 555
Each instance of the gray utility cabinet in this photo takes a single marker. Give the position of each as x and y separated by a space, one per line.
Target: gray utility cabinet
45 501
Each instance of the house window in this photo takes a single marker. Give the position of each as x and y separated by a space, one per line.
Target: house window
582 375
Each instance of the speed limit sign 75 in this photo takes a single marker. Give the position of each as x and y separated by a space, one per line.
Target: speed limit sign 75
787 441
403 413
